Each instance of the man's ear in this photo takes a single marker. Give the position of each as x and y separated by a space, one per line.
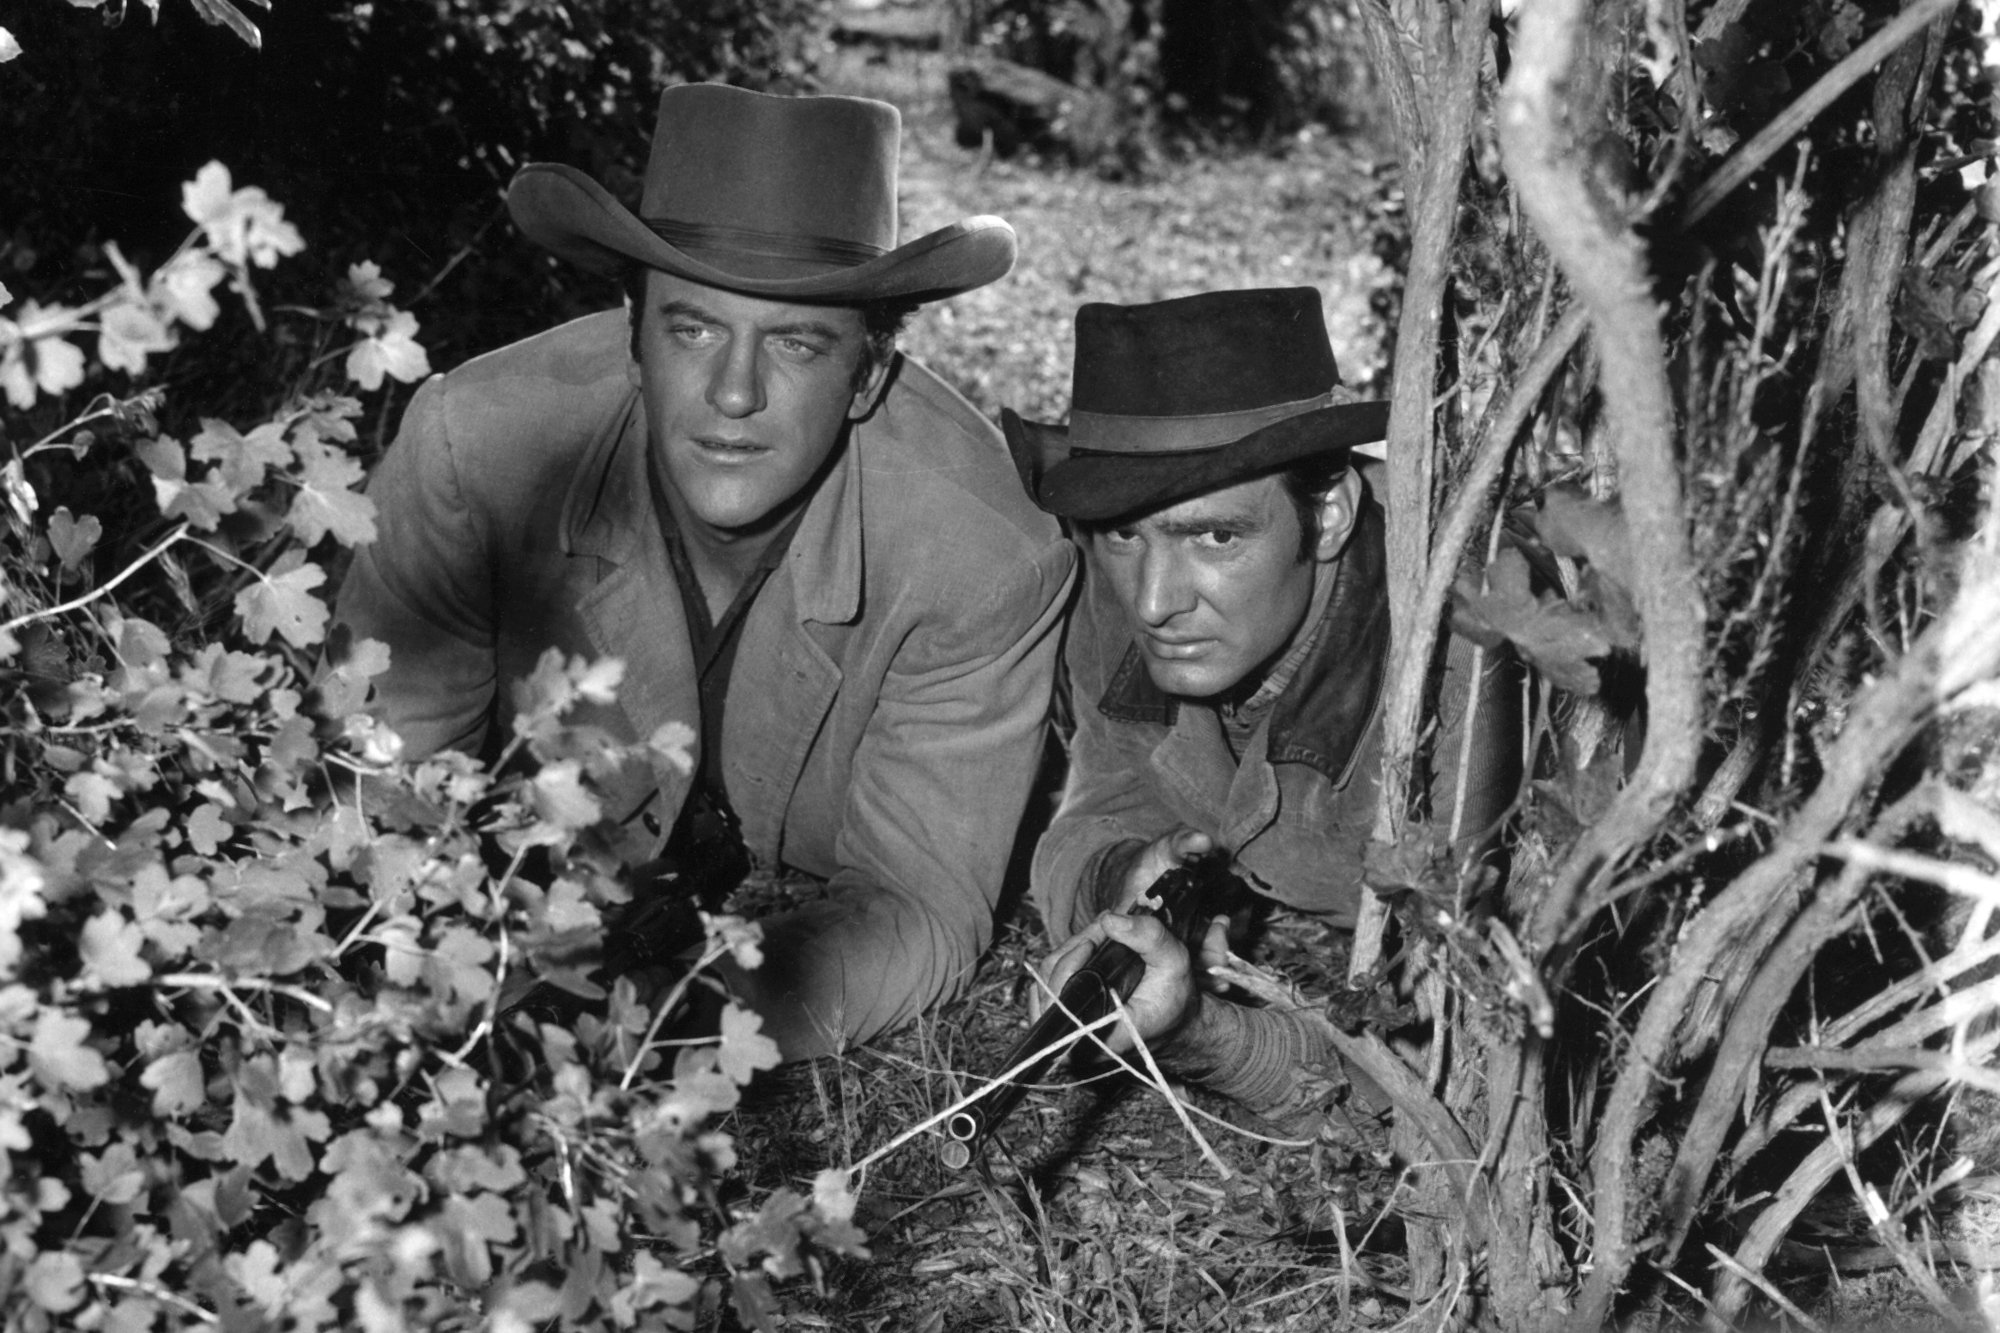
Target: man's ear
1339 509
869 395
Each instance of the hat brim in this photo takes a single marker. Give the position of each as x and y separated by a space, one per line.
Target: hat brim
565 210
1097 486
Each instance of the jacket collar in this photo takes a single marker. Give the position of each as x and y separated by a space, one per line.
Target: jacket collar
1320 718
609 514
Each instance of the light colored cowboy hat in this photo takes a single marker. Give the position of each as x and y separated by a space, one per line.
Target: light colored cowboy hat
1176 398
790 198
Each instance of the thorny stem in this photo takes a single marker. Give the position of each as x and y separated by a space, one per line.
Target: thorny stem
1606 265
1411 444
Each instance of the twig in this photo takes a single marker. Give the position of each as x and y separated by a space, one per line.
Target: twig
102 589
1461 523
1879 724
1160 1085
925 1126
1607 266
1823 1057
1763 1284
1744 162
1811 1175
1434 217
665 1009
1920 1277
205 981
153 1291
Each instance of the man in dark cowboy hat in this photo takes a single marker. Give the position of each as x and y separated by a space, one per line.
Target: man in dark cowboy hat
803 545
1228 652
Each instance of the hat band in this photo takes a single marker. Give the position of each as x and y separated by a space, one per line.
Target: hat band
768 244
1105 433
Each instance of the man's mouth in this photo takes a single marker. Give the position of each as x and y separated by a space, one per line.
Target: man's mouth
729 450
1176 650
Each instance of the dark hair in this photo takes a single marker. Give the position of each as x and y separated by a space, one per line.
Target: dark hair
1306 483
882 321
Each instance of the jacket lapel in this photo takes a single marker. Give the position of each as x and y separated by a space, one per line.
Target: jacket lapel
625 595
785 679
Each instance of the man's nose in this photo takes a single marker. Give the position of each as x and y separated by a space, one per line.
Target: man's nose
1164 589
737 387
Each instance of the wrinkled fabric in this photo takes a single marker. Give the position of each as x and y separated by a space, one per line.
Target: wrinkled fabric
1296 812
886 710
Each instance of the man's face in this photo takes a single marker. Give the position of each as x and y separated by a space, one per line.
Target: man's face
1214 587
745 398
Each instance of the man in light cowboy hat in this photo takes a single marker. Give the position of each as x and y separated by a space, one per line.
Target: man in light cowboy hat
1227 655
799 542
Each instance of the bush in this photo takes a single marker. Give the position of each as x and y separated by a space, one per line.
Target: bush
389 129
262 1057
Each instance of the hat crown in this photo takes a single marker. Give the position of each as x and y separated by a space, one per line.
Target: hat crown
1216 353
770 186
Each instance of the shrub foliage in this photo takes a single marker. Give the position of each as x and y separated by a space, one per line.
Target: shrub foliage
262 1057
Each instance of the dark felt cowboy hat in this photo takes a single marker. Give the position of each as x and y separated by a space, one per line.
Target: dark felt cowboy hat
1180 397
790 198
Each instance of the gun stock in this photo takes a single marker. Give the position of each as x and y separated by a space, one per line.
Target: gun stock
1186 898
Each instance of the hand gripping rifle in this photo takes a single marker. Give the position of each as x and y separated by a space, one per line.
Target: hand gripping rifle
1186 899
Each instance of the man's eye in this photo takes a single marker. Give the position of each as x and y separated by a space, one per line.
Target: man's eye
1121 536
1219 537
798 348
695 335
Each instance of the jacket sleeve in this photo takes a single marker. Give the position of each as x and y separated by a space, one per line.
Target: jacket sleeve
422 588
1108 804
940 781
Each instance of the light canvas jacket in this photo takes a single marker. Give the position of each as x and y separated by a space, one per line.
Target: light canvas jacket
886 709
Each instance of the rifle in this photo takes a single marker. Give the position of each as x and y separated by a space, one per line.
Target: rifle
1186 899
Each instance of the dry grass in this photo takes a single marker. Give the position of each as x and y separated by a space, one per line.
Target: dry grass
1092 1210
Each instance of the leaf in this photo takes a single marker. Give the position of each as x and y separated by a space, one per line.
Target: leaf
58 1056
467 1228
207 830
257 1133
1581 528
54 1281
128 332
461 956
327 501
73 539
755 1305
110 949
177 1083
1558 639
745 1049
202 503
1931 308
559 797
243 459
114 1177
390 349
282 601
